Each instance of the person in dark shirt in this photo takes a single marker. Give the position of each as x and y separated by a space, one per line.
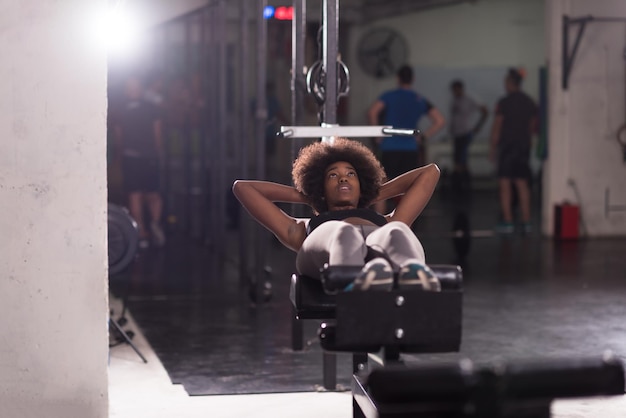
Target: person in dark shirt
339 181
138 137
515 122
403 108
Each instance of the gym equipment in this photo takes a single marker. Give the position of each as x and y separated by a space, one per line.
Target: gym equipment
500 390
417 321
316 81
333 130
123 238
570 53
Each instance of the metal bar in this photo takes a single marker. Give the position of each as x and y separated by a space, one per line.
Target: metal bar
363 404
297 331
565 52
213 123
329 371
244 115
342 131
126 338
261 120
298 80
570 59
223 122
186 132
202 179
330 52
298 46
608 207
598 19
567 58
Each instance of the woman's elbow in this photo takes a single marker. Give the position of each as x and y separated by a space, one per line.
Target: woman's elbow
238 187
434 168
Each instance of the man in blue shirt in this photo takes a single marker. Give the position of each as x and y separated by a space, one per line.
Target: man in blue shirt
403 108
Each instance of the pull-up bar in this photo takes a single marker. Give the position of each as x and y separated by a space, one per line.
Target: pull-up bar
333 130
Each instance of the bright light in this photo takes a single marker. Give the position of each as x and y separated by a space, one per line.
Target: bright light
278 13
119 31
268 12
284 13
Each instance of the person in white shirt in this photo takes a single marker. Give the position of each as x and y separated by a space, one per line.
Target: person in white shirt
464 125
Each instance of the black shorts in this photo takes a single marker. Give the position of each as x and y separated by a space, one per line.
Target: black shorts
396 163
141 174
514 165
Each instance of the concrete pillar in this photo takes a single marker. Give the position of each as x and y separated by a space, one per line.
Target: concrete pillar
53 268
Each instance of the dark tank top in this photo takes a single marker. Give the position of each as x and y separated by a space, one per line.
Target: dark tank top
339 215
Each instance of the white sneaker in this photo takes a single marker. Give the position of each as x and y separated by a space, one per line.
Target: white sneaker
375 275
416 275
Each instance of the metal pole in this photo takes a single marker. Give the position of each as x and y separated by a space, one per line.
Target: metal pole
186 133
244 115
223 122
261 119
201 176
330 52
298 45
212 155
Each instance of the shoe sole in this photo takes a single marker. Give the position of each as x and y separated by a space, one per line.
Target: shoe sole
423 281
378 278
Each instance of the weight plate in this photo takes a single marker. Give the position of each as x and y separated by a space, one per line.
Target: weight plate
123 238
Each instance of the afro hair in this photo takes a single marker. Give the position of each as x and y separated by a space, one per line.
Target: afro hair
309 170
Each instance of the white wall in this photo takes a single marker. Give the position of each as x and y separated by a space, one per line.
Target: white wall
53 306
488 36
584 119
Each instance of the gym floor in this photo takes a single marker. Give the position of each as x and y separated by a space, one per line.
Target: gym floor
526 297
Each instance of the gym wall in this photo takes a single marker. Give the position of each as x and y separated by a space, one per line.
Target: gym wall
585 160
476 42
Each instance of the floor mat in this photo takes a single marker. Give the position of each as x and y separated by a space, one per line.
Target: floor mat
218 346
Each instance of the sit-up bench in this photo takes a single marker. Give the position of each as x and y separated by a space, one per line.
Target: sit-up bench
416 321
397 321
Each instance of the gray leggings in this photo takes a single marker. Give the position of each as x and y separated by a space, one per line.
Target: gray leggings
341 243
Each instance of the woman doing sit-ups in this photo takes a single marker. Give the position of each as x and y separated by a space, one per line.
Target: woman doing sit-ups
340 181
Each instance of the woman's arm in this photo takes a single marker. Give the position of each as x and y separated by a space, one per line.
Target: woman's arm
416 186
258 198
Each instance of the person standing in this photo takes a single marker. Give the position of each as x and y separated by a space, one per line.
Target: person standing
516 120
403 108
463 110
138 137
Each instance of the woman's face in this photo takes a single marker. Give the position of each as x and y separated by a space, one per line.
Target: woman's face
341 186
